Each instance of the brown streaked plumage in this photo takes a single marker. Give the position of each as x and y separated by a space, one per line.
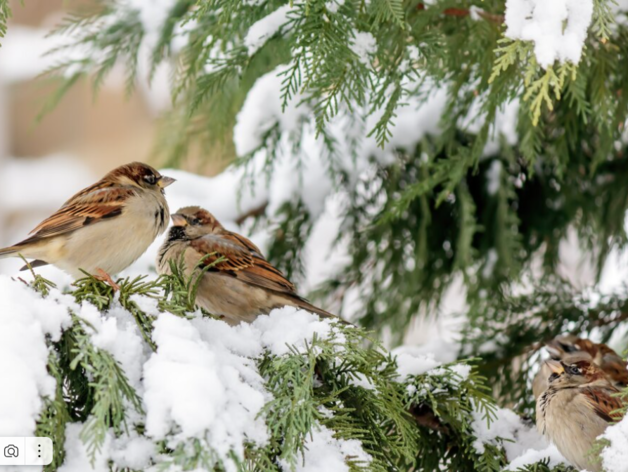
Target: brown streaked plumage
240 283
567 347
576 408
104 228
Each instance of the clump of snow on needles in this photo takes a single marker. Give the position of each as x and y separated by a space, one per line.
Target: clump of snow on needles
197 389
263 29
26 320
364 46
412 361
520 439
558 28
323 452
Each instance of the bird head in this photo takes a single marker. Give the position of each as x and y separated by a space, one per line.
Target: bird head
138 174
194 222
573 373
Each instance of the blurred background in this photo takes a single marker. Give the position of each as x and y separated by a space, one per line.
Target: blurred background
84 136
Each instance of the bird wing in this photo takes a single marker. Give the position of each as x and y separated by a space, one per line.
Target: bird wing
96 203
234 255
604 403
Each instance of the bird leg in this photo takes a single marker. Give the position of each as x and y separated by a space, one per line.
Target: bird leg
105 277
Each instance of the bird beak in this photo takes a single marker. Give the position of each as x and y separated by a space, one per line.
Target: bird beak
179 220
164 181
555 366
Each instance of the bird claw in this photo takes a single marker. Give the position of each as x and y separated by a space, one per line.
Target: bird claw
105 277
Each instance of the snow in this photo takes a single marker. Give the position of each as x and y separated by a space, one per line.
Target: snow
461 370
133 452
411 361
152 13
558 28
202 391
26 321
521 441
334 5
263 29
22 55
493 177
615 457
117 333
323 452
201 383
532 456
262 111
364 46
77 458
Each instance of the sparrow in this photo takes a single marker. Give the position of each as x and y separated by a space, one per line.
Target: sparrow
576 408
562 347
237 283
104 228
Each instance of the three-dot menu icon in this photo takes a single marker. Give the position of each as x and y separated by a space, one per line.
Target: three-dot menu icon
25 451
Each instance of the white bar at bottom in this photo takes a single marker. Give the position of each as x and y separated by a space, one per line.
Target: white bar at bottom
25 451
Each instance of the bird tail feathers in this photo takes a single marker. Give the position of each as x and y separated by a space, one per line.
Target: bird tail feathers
10 251
319 311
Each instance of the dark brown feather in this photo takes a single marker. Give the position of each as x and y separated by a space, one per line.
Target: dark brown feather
241 260
98 202
603 402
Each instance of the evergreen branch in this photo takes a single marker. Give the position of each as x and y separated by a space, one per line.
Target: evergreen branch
109 385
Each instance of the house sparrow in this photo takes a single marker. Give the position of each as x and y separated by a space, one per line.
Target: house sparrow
104 228
565 347
238 283
575 409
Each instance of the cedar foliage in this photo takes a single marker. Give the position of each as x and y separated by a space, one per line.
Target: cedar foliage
309 388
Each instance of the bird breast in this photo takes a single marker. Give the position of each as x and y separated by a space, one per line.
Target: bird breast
569 422
114 244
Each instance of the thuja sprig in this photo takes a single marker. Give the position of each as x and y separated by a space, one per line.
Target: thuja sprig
181 289
109 385
94 291
39 284
139 287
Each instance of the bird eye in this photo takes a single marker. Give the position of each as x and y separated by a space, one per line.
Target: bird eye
573 370
196 221
568 347
150 179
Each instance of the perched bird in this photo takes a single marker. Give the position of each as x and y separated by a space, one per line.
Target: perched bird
238 283
575 409
104 228
569 348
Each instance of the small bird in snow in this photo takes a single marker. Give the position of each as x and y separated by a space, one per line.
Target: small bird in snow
104 228
238 283
565 347
576 408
